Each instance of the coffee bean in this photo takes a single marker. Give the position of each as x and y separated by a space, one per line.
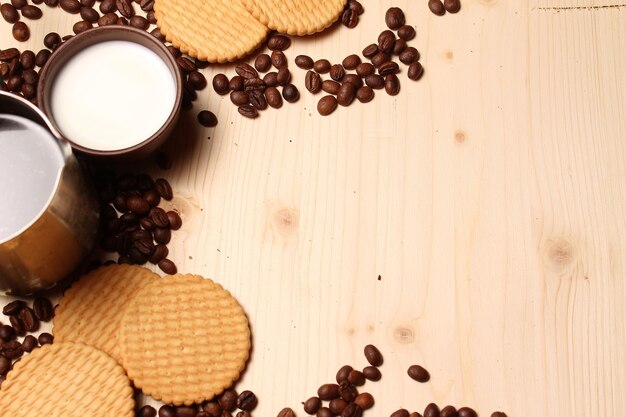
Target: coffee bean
31 12
29 91
162 235
337 72
313 82
253 84
73 6
389 67
342 374
400 413
147 411
31 77
415 72
13 308
7 333
312 405
399 46
4 70
348 392
365 94
239 98
87 3
498 414
150 16
152 197
51 3
137 204
466 412
304 62
326 105
185 64
248 111
353 79
431 410
372 373
12 350
246 71
258 100
15 67
167 411
146 223
392 85
337 406
386 40
136 233
370 50
207 118
247 401
279 60
291 93
18 4
196 80
220 84
379 59
42 57
29 343
163 188
364 400
81 26
394 18
273 97
406 32
184 411
364 69
322 66
125 7
263 63
352 410
9 54
448 411
146 5
436 6
286 412
108 6
356 6
20 32
351 61
91 15
271 79
409 55
107 19
9 13
350 18
42 307
228 400
167 266
27 59
278 43
328 392
142 23
452 6
27 316
283 77
356 377
5 365
213 409
415 414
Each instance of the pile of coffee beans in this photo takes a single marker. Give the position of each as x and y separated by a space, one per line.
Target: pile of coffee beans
381 72
24 321
132 223
350 15
19 71
252 93
440 7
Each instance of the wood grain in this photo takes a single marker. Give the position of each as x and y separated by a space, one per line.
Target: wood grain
489 197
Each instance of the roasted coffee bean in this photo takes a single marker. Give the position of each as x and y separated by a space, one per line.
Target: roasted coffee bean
51 3
399 46
177 54
431 410
28 318
305 62
326 105
312 405
286 412
356 378
271 79
406 32
213 409
145 247
18 4
394 18
20 32
12 350
167 411
370 50
15 67
108 6
415 414
400 413
31 12
220 84
239 98
29 343
291 93
337 72
150 16
253 84
4 70
17 325
448 411
5 365
91 15
9 13
352 410
137 204
237 83
263 63
246 71
466 412
392 84
125 7
9 54
342 374
365 94
273 97
415 72
207 118
356 6
349 18
81 26
42 307
142 23
184 411
337 406
152 197
7 333
351 62
353 79
29 91
156 32
364 400
42 57
136 234
163 188
146 5
123 259
160 253
147 411
375 81
248 111
278 43
387 68
247 401
313 82
379 59
167 266
107 19
185 64
452 6
228 400
386 40
73 6
322 66
364 69
328 392
196 80
258 100
498 414
436 6
87 3
162 235
13 308
279 60
348 392
409 55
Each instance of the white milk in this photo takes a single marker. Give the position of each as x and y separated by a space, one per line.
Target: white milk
30 165
112 95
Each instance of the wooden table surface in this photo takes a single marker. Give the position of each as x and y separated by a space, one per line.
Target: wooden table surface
490 198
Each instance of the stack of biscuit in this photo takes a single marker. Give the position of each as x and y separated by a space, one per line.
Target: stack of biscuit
180 339
227 30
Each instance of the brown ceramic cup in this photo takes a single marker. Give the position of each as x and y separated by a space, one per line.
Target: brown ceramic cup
102 34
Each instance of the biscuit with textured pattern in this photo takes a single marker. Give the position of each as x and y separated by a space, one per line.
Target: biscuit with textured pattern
184 339
91 310
67 380
210 30
296 17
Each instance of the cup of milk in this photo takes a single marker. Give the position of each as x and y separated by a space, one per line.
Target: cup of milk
112 91
48 210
